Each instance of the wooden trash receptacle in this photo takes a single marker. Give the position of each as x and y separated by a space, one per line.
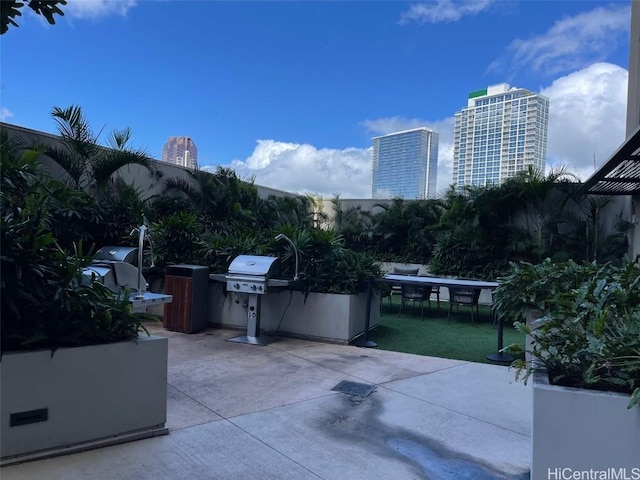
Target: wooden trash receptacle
189 286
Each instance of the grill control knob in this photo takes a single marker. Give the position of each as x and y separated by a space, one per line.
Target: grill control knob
236 286
254 287
260 287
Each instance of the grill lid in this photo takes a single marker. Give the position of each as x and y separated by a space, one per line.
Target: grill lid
118 253
255 265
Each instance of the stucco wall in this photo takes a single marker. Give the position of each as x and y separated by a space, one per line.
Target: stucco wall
134 174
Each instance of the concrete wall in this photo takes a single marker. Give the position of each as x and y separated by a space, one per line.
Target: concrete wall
366 204
133 174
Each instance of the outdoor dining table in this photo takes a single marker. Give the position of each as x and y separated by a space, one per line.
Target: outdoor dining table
396 279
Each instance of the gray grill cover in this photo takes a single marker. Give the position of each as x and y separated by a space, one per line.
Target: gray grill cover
255 265
118 253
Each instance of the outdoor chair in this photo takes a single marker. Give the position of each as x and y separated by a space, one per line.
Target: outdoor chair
435 290
400 271
415 293
465 296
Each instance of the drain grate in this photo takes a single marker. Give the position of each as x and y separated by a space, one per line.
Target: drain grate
353 388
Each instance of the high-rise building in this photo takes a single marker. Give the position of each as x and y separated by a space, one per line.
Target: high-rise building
405 164
181 151
502 131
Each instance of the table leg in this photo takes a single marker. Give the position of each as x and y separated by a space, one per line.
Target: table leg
500 356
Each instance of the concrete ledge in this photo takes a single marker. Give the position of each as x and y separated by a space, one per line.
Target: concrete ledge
88 397
582 429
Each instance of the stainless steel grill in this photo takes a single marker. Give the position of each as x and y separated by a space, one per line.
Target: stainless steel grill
119 267
118 254
253 275
115 267
114 274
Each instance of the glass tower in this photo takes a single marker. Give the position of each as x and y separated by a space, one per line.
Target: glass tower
502 131
405 164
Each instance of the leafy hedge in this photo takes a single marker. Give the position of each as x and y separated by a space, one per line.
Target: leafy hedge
44 301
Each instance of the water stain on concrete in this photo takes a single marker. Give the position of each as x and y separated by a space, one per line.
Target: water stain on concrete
357 418
436 466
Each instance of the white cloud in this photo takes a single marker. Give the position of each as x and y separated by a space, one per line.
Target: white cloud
94 9
303 168
572 43
442 11
5 114
587 117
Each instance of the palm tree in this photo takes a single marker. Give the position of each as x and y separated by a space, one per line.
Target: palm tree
542 199
89 165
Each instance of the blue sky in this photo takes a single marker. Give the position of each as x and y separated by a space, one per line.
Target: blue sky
292 92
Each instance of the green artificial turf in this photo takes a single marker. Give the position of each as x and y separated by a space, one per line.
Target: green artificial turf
434 336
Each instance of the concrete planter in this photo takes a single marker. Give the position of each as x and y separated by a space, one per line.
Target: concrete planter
580 429
82 398
323 316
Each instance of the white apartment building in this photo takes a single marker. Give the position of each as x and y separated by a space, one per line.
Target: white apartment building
502 131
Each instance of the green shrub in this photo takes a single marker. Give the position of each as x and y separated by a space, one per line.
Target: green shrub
326 266
530 286
176 239
44 303
589 333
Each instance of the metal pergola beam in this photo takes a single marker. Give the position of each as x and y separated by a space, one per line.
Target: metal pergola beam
626 181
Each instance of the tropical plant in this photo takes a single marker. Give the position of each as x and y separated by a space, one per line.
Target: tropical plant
533 287
176 239
593 231
475 235
45 300
89 165
405 231
523 219
122 210
221 200
588 334
217 250
290 210
355 225
326 266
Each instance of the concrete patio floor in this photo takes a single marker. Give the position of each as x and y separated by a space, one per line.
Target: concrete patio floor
238 411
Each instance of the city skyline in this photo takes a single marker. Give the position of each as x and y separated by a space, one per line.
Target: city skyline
291 93
405 164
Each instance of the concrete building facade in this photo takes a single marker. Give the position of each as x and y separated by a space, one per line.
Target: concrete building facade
502 131
405 164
